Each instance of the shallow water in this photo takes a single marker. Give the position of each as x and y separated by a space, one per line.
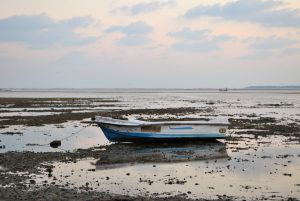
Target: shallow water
37 139
270 168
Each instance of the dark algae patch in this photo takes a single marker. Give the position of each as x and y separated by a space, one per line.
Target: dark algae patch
161 111
12 133
68 109
264 126
56 192
52 102
46 119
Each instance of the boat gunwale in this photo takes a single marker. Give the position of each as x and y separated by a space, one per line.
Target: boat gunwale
165 124
136 123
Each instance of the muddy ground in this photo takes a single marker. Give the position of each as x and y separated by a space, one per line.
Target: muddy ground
17 168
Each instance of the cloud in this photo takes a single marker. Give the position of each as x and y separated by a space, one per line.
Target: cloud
222 38
291 51
198 40
198 46
266 12
257 55
271 43
73 59
262 48
136 28
133 40
141 8
135 33
40 31
186 33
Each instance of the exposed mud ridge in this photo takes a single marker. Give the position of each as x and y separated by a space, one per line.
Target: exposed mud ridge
45 119
51 102
11 133
275 105
265 126
162 111
64 105
68 116
61 193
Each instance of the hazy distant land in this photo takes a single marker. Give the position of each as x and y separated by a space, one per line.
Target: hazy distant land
273 87
253 87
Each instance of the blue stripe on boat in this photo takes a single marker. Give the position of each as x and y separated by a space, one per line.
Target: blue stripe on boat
114 135
181 128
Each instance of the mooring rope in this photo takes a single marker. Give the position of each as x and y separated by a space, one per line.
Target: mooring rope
73 134
65 138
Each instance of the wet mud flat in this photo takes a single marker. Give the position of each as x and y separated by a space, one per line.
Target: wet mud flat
41 111
247 168
36 176
260 159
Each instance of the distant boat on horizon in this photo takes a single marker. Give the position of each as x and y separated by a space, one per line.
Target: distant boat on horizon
223 89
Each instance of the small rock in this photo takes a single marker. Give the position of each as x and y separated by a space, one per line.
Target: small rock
55 143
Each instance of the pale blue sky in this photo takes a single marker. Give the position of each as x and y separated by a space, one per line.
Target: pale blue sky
149 44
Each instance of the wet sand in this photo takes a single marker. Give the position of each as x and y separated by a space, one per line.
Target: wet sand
260 159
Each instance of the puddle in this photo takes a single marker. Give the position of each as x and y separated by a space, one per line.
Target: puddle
37 139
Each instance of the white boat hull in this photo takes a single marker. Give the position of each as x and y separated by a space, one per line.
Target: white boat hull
166 131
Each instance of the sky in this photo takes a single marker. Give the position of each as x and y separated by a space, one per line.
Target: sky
149 44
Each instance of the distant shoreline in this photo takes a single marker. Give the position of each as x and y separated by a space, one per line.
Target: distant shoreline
289 87
149 90
249 88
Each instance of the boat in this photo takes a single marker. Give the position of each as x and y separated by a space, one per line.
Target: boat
223 89
118 130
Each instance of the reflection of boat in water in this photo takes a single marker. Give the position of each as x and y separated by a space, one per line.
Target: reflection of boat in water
134 130
123 154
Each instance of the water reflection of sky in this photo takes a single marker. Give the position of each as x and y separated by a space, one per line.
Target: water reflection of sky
137 153
42 135
245 173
